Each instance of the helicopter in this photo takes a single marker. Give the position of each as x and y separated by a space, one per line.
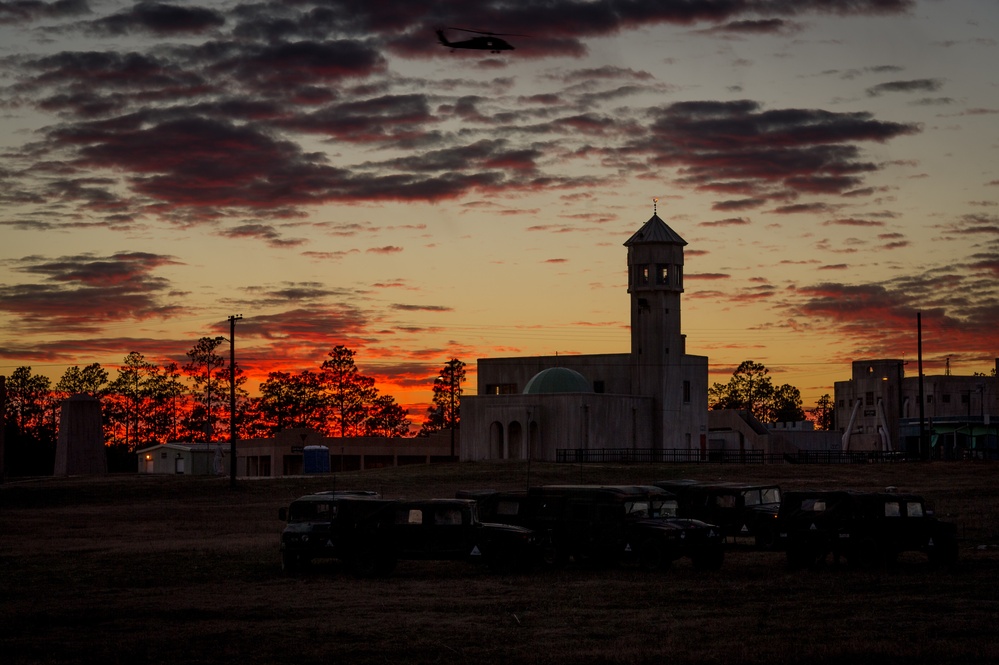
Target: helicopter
489 41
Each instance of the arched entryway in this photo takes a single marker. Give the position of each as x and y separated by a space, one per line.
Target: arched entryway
496 440
515 441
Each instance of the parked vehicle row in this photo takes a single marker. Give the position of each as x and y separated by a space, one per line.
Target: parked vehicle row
649 526
741 511
370 534
606 525
866 528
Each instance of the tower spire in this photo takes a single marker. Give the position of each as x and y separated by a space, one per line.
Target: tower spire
655 205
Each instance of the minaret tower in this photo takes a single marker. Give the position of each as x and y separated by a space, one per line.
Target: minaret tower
655 282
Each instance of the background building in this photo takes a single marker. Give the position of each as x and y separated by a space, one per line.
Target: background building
878 409
285 454
654 397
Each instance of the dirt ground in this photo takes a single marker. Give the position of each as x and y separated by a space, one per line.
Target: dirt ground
137 569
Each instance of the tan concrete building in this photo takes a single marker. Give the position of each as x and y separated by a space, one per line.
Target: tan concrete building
651 398
878 409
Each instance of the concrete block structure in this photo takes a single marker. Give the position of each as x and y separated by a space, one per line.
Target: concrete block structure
80 445
878 409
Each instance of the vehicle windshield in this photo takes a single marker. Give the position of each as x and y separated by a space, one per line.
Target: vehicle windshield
665 508
636 508
311 511
813 505
651 508
756 497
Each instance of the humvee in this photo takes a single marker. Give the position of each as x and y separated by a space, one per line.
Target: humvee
330 525
866 528
605 524
740 510
369 535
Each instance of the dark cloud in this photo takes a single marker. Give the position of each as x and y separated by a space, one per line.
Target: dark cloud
741 148
159 19
26 11
421 308
85 291
195 131
731 221
740 204
772 26
918 85
879 319
285 293
288 65
265 232
852 221
389 117
806 208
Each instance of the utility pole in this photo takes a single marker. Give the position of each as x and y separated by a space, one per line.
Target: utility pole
3 421
924 448
232 398
453 377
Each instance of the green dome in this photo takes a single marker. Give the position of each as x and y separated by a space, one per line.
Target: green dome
557 380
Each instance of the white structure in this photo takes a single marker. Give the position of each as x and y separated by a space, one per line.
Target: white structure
285 454
192 459
653 398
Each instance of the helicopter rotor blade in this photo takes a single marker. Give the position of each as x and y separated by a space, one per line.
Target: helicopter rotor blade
492 34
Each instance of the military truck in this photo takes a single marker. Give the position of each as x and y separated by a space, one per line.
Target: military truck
741 510
369 534
330 525
605 524
867 529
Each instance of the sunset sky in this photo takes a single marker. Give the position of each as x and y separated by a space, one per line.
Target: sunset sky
336 176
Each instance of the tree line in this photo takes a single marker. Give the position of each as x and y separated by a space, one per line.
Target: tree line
148 403
751 389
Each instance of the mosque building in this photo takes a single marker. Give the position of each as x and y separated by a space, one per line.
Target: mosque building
653 398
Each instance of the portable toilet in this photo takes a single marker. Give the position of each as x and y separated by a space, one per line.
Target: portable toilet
316 459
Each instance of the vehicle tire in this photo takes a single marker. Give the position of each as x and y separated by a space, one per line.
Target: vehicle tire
553 556
651 557
503 562
766 538
370 560
943 554
290 563
384 565
799 556
709 559
868 553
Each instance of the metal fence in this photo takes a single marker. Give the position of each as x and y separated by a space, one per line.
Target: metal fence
581 456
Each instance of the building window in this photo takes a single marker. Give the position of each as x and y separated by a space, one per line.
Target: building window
598 387
501 389
869 399
662 274
965 398
686 392
929 399
946 399
643 275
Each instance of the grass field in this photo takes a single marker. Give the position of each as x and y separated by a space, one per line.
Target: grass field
147 569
